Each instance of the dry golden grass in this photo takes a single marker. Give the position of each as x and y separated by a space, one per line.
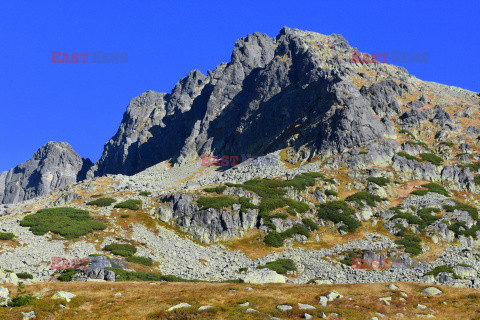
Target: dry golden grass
149 301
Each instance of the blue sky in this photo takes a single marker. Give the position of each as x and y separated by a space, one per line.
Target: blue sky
83 104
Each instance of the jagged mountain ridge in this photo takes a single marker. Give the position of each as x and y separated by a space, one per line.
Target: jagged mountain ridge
296 90
54 165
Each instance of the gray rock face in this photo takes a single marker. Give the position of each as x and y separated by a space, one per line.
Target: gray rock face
208 225
290 91
54 165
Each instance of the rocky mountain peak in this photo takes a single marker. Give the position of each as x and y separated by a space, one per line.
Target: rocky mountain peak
52 166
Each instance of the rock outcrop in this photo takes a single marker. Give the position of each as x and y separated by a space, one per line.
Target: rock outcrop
294 90
53 166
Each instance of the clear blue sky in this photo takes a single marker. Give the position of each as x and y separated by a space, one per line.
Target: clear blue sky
83 103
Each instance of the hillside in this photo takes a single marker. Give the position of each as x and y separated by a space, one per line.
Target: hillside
289 164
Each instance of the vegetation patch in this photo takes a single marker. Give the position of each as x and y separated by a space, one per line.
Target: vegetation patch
331 193
379 181
296 229
121 249
435 271
339 211
141 260
411 244
67 275
472 211
408 156
6 236
431 187
363 196
218 190
215 202
145 193
131 204
280 266
432 158
408 133
102 202
70 223
24 275
312 226
446 143
274 239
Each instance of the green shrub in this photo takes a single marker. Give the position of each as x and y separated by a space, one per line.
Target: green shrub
274 239
314 175
125 216
419 143
102 202
280 266
24 275
312 226
296 229
6 236
380 181
474 166
331 193
408 156
246 204
472 211
215 202
21 301
22 298
121 249
477 179
279 216
411 245
131 204
145 193
339 211
432 158
68 222
362 196
218 190
446 143
140 260
431 187
96 195
435 271
408 133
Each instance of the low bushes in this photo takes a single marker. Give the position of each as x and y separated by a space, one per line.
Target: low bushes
140 260
215 202
280 266
68 222
411 244
339 211
24 275
131 204
472 211
216 189
121 249
102 202
435 271
296 229
379 181
363 196
274 239
145 193
432 158
312 226
6 236
431 187
408 156
331 193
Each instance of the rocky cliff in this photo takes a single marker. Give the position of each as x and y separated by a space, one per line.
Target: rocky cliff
54 165
299 90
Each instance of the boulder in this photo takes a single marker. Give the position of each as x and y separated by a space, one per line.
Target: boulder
431 291
65 295
264 276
